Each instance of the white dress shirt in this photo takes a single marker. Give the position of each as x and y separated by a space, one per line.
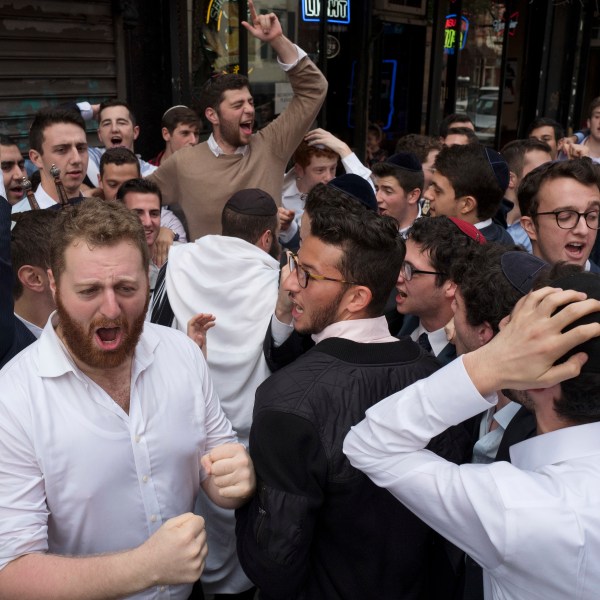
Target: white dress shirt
80 476
533 525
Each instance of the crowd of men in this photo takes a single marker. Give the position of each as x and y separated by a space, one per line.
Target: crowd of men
381 384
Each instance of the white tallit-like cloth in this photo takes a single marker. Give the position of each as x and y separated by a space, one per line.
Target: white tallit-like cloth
237 282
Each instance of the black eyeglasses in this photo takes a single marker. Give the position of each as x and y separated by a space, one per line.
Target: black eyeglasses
568 219
407 271
303 275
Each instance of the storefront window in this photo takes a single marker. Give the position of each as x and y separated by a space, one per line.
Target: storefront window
216 49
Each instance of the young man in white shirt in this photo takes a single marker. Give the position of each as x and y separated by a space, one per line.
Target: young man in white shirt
532 525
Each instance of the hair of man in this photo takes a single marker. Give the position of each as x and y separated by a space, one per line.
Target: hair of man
559 132
118 156
179 115
98 224
246 227
488 295
514 153
469 172
304 154
408 180
466 131
419 145
372 250
6 140
450 120
116 102
446 244
213 91
579 169
141 186
47 117
30 243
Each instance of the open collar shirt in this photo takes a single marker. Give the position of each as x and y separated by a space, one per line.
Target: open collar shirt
533 525
80 476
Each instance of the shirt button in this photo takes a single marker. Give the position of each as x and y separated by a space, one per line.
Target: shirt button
153 518
137 439
145 478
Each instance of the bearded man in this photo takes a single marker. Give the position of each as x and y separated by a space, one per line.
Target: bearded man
102 424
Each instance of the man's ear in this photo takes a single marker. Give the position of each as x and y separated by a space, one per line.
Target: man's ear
299 171
529 226
357 299
212 116
512 180
136 132
414 196
32 278
36 158
265 240
165 134
52 283
485 333
468 205
449 289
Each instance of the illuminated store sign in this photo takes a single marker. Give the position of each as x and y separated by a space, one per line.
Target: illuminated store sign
338 11
450 33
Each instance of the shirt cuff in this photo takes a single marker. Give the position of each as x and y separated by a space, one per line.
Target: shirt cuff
289 233
85 108
280 331
301 55
352 165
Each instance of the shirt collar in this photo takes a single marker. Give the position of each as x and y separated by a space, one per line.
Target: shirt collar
364 331
217 150
483 224
437 339
557 446
504 416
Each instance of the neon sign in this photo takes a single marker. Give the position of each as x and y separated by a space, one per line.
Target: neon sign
338 11
450 33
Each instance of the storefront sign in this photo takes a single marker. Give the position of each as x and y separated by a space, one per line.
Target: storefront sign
338 11
450 33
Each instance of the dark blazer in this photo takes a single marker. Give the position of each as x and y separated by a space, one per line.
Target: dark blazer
411 322
14 336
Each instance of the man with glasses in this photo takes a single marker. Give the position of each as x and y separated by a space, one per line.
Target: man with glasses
560 204
425 289
317 528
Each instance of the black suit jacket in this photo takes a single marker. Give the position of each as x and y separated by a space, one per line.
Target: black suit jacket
14 336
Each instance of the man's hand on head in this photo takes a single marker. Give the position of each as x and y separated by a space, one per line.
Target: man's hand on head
320 137
523 354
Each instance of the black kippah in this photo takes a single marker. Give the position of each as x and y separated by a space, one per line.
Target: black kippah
252 202
405 160
357 187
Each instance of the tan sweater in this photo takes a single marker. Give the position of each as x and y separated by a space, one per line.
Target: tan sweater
201 183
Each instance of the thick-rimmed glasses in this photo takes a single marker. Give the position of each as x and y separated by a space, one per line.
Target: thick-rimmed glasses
303 275
407 271
568 219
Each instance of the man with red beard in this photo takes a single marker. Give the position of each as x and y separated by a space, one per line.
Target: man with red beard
103 423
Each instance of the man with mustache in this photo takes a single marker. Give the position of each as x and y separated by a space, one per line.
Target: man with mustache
104 421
